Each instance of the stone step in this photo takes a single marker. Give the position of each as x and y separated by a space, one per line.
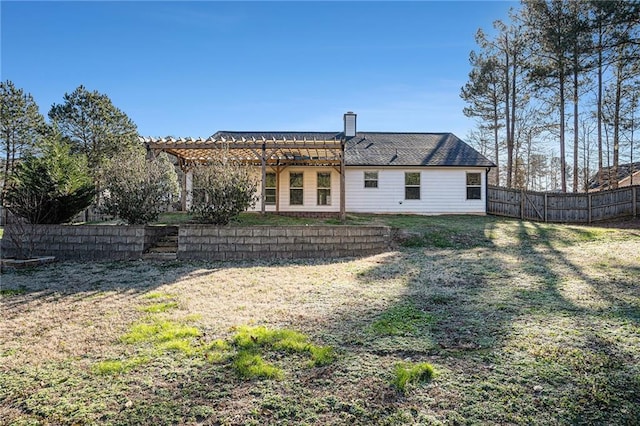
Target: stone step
163 249
163 243
159 256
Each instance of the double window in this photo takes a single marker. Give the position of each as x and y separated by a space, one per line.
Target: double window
412 185
474 186
296 191
324 188
270 189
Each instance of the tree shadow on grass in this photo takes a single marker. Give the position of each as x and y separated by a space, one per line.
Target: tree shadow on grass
505 321
497 323
616 287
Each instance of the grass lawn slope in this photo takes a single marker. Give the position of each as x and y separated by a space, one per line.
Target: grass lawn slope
471 320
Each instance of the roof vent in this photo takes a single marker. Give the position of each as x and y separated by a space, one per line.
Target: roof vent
350 124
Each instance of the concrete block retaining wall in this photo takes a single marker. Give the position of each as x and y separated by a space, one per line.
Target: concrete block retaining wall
81 242
292 242
203 242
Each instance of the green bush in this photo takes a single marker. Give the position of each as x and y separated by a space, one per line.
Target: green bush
222 191
138 189
52 187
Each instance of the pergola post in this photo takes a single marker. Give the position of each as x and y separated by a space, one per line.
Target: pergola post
188 186
343 212
263 163
183 184
278 171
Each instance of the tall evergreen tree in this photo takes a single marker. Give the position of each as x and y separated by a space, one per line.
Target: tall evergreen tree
483 94
494 91
580 48
510 44
52 187
21 128
94 126
602 13
624 50
549 24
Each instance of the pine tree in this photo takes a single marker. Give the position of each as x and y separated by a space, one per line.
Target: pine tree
548 24
21 127
52 187
484 95
94 126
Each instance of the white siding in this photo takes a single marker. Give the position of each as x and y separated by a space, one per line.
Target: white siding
442 190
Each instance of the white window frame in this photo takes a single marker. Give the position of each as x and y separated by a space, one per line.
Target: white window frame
324 189
273 188
371 179
474 186
296 188
412 186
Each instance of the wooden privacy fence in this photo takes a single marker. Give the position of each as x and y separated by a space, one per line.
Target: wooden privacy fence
561 207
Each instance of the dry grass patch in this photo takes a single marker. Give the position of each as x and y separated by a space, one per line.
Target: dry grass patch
525 324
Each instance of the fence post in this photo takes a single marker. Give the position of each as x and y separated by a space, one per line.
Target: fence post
522 204
589 206
635 201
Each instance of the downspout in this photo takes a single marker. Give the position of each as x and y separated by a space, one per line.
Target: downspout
486 190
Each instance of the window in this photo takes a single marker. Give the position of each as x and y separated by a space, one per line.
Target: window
412 186
324 189
270 189
295 189
370 179
474 186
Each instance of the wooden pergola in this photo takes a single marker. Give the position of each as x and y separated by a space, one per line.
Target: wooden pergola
275 153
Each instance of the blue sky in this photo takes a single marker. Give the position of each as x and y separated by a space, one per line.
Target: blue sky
192 68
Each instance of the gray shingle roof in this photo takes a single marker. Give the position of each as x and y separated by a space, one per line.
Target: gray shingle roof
411 149
388 149
609 177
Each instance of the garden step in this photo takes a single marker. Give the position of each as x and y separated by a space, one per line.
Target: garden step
163 249
159 256
165 243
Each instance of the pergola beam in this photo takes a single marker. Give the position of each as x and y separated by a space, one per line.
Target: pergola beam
248 145
263 152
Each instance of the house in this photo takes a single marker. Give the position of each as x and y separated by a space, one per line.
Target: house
606 178
349 171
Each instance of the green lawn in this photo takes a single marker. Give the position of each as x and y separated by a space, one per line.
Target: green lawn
250 219
471 320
